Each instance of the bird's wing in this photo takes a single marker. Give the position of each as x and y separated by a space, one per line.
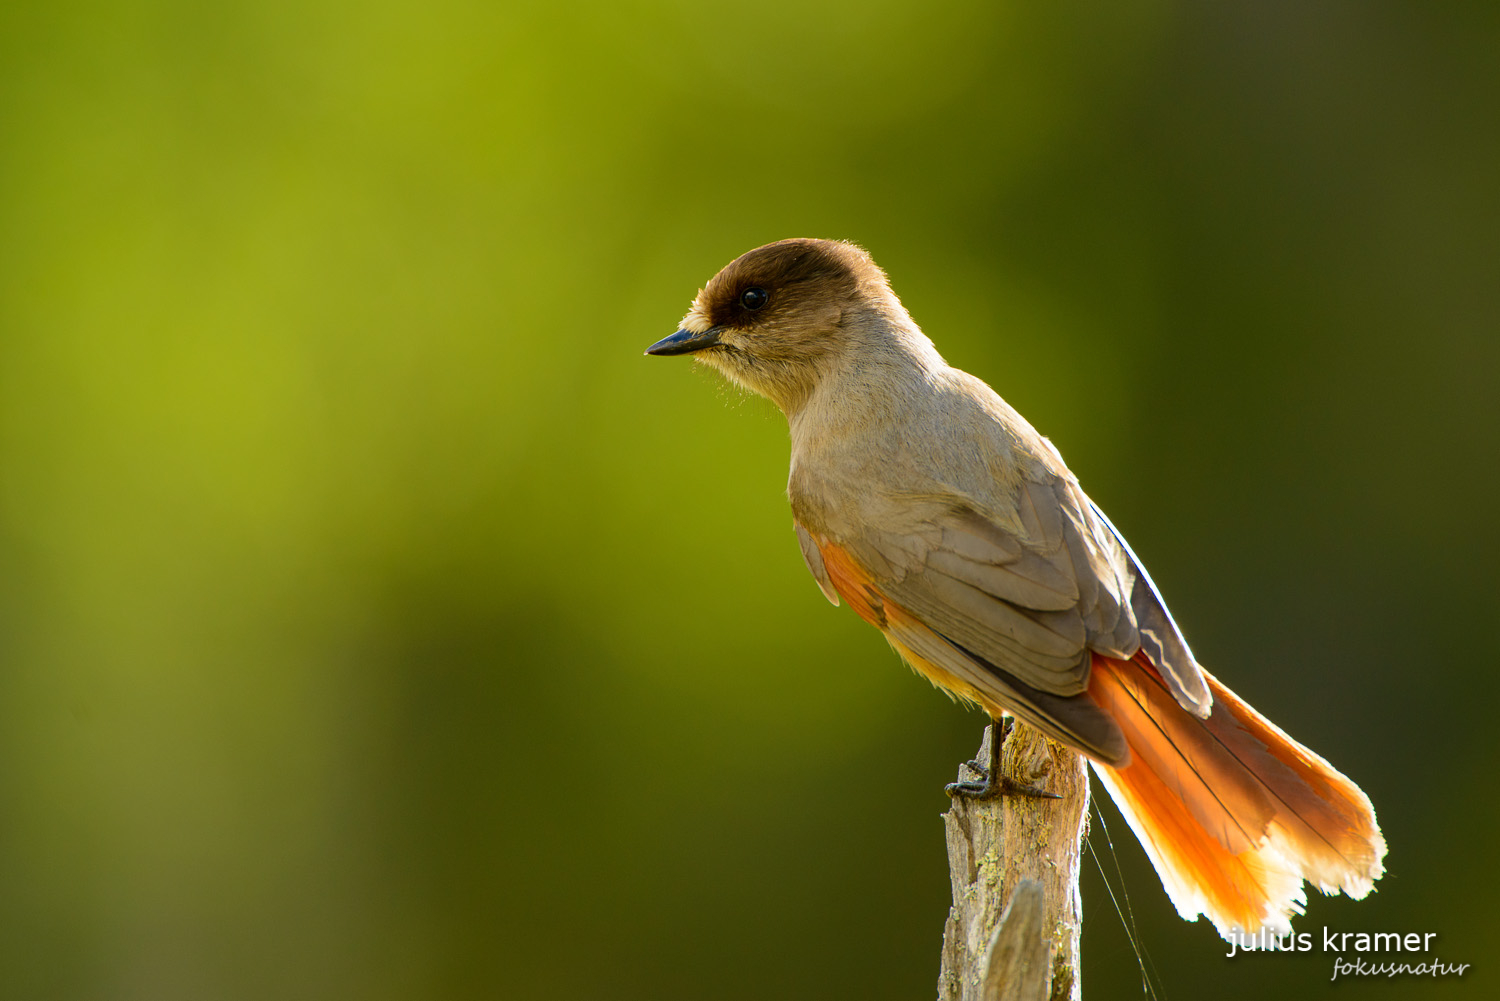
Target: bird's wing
1005 610
1031 598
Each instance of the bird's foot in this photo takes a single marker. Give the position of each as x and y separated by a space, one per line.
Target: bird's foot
991 782
990 787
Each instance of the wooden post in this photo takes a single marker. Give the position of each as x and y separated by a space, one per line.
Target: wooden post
1013 930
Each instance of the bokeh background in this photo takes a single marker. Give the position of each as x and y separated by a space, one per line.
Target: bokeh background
377 623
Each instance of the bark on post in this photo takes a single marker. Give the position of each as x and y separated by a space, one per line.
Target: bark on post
1013 930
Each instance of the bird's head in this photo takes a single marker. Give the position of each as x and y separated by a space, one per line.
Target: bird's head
777 318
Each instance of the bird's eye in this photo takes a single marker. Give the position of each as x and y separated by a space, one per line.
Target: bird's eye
753 298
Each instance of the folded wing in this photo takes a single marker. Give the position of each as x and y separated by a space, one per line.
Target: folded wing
1009 609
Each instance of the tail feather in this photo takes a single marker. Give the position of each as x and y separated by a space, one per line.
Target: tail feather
1233 813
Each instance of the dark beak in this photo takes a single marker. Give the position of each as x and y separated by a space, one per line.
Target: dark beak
685 342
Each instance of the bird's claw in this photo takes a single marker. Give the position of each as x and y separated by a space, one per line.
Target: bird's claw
988 788
992 782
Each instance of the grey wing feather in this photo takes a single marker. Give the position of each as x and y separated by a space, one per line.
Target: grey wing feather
1036 603
814 560
1026 596
1159 635
1029 602
1075 721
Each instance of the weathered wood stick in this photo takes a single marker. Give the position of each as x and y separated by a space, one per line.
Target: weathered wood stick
1013 931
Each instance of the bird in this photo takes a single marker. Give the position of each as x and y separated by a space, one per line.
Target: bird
926 503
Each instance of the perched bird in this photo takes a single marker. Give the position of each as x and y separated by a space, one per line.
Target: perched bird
938 513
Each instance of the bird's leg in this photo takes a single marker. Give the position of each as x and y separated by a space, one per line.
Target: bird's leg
993 783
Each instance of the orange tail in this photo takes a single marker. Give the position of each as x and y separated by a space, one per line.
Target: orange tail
1233 813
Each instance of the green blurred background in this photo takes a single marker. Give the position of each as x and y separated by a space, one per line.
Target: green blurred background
377 623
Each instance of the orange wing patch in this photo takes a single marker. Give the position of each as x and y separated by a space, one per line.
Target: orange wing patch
900 627
853 584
